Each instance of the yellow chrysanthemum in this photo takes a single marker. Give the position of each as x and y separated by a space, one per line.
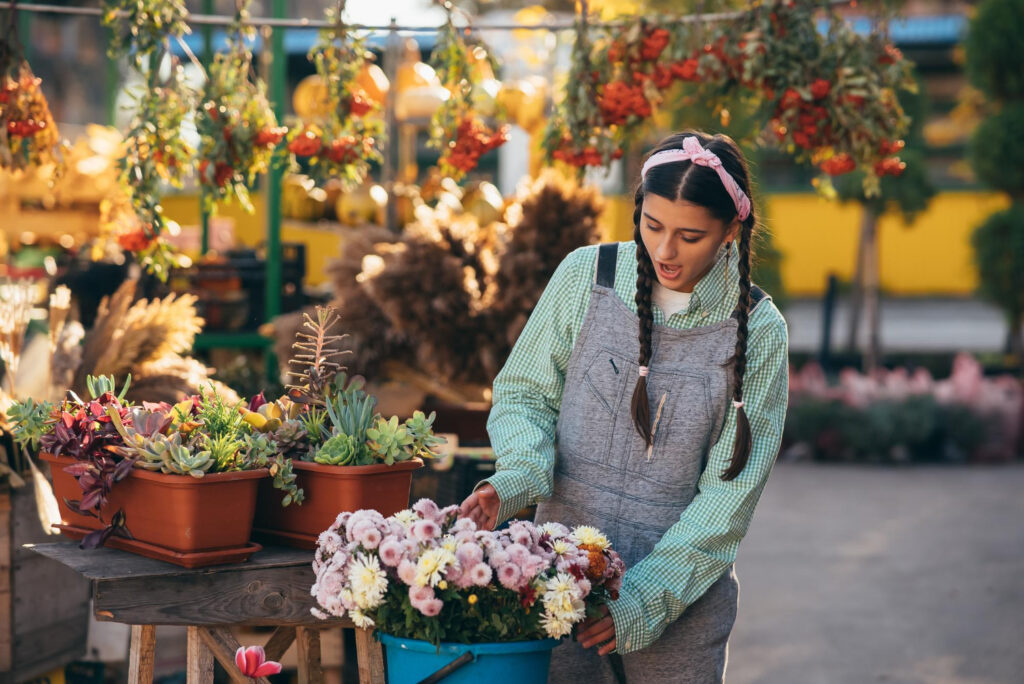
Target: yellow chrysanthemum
590 537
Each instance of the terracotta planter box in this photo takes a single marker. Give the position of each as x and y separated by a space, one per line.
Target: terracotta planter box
181 519
330 490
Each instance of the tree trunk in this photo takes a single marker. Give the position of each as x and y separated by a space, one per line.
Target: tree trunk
872 295
857 293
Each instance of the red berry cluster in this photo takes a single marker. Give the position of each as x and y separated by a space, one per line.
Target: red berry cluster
806 120
270 136
222 172
618 100
25 117
473 139
890 166
136 240
588 156
838 165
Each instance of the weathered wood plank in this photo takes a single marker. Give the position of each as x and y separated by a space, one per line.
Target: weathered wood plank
109 564
279 642
223 645
48 647
47 594
255 596
370 656
308 642
141 654
199 659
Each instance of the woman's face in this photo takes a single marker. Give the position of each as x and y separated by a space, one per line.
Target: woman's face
683 240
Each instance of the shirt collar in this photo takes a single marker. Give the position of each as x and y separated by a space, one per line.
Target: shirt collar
716 292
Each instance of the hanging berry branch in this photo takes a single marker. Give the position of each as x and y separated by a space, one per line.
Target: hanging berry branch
826 99
155 152
237 127
346 140
28 134
457 130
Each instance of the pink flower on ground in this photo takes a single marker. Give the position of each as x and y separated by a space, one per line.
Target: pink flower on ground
519 554
499 558
469 554
253 663
432 607
427 509
370 538
420 594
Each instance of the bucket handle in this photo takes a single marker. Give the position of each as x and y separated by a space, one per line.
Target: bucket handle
464 659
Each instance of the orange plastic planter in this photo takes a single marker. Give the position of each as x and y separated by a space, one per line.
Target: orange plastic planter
177 518
330 490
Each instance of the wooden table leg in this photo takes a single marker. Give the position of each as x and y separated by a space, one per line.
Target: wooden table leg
371 658
199 660
308 642
141 654
279 642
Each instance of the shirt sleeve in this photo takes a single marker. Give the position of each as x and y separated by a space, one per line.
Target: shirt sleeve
527 392
695 552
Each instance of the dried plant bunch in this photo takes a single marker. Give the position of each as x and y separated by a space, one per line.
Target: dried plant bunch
317 355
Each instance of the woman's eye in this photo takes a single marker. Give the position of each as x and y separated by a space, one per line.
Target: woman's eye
691 240
653 228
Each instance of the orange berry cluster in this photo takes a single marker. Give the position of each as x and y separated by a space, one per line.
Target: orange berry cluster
588 156
25 117
345 149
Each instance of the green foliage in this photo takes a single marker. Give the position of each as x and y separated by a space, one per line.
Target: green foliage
260 451
342 450
390 441
314 423
226 452
997 149
421 429
219 419
98 386
995 50
180 460
28 419
999 256
350 408
913 429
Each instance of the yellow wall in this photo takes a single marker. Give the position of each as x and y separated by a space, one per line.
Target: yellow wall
818 237
815 236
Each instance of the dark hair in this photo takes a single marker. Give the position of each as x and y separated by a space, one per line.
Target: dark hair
702 186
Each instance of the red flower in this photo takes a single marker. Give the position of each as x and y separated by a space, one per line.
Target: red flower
305 145
654 44
890 166
838 165
820 88
887 148
790 99
685 70
135 241
253 663
360 104
891 55
802 140
270 136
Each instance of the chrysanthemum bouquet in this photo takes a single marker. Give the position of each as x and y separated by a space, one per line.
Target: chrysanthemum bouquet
424 573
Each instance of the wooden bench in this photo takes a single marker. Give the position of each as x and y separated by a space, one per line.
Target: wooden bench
270 589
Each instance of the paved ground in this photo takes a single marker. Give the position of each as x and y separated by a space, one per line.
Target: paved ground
918 324
852 575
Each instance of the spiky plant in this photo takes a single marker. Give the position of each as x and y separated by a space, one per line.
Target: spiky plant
317 351
29 422
350 408
219 419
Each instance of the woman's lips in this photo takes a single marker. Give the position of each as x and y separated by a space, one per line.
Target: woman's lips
669 272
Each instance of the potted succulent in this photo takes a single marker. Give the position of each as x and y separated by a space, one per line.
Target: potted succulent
176 483
344 454
445 596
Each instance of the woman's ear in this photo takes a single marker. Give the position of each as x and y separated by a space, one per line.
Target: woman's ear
732 233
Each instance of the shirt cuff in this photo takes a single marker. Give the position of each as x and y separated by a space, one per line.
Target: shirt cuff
513 492
628 615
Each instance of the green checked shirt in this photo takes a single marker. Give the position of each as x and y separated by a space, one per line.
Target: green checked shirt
698 549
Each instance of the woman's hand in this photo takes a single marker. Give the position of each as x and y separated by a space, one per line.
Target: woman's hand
597 631
482 507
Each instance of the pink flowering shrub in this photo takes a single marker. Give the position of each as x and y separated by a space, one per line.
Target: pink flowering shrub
901 415
424 573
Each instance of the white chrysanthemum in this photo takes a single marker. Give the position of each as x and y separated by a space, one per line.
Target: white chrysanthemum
562 547
554 529
590 536
406 518
367 579
360 619
555 627
431 566
449 543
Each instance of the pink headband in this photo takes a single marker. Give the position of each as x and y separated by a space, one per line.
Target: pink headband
694 152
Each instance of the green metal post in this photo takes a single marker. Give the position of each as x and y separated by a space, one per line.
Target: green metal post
204 215
278 73
25 33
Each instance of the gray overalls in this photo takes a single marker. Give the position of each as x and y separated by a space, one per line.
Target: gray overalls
605 476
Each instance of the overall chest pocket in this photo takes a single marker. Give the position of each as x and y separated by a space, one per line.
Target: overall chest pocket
591 406
682 432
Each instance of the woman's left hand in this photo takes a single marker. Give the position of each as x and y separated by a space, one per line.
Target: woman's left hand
597 631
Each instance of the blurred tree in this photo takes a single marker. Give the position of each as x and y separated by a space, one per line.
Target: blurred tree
908 194
995 52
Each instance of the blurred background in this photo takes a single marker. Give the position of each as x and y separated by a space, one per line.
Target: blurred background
888 545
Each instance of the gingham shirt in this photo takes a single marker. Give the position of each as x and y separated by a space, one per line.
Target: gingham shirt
698 549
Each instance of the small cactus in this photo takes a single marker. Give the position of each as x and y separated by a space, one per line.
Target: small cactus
342 450
421 428
178 460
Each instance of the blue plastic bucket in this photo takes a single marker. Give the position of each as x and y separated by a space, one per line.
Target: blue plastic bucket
518 662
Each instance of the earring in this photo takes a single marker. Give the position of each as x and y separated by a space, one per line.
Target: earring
728 256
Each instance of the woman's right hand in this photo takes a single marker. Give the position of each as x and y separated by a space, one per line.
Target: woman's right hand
482 507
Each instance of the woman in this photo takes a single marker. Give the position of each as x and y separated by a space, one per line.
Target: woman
673 474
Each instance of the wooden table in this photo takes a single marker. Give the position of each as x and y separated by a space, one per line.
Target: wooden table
270 589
